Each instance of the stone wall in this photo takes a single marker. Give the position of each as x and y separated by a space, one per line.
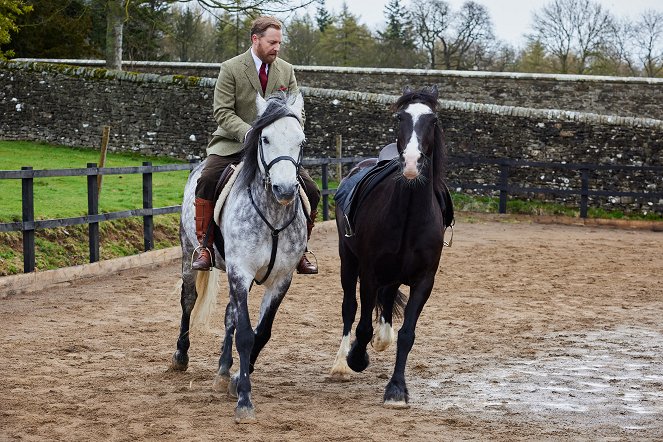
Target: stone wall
171 115
625 96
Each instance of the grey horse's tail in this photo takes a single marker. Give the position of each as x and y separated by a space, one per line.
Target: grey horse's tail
207 288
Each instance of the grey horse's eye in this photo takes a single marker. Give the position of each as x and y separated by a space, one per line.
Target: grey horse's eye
265 140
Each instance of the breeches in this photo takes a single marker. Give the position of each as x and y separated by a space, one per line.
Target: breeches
216 164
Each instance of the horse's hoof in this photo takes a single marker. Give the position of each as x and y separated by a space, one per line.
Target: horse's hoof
383 338
179 362
245 415
358 363
397 405
221 383
340 372
396 395
232 387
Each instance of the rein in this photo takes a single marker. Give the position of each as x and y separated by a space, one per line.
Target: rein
275 236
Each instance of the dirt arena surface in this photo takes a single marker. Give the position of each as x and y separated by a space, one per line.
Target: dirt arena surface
533 332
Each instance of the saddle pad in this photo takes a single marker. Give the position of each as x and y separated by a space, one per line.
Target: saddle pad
225 191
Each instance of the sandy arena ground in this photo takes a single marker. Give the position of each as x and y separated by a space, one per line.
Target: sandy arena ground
533 332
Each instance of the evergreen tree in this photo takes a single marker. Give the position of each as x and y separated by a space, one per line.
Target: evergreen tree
301 41
347 43
10 10
397 47
322 17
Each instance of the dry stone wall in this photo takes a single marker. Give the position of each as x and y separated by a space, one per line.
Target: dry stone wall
171 115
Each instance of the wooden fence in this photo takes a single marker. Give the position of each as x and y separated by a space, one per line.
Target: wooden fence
501 184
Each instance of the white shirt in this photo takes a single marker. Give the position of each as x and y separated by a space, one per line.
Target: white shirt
258 62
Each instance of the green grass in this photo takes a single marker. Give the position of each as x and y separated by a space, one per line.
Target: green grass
62 197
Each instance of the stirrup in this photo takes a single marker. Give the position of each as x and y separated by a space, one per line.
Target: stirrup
211 256
315 258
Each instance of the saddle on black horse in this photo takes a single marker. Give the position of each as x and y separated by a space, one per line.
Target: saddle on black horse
365 176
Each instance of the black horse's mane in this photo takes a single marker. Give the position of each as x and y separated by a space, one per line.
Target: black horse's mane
277 108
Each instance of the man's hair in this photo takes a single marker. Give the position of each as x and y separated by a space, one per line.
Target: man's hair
264 22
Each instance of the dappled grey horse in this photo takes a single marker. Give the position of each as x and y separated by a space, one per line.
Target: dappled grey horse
263 226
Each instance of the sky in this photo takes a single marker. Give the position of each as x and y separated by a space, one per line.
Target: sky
511 18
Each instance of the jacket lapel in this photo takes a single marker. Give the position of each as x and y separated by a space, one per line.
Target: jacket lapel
272 78
251 73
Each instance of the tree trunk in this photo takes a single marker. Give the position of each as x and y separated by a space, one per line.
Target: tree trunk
114 25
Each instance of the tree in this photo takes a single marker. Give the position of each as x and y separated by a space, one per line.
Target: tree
10 10
396 41
346 42
231 35
302 40
55 29
572 31
322 17
648 42
430 19
144 34
534 59
470 33
117 15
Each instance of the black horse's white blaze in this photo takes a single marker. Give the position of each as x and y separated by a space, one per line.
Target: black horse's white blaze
266 187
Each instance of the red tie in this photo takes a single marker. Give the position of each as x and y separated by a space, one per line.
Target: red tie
263 77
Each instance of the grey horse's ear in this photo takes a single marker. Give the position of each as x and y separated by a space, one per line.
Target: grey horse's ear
298 105
261 104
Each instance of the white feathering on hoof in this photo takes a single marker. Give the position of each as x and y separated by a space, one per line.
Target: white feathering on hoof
340 370
383 337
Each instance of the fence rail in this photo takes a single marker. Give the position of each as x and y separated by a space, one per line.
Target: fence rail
29 225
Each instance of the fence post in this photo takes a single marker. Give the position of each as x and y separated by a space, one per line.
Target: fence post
339 155
148 220
28 216
584 192
93 209
504 186
325 196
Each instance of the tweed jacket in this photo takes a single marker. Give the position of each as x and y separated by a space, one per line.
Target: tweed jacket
235 99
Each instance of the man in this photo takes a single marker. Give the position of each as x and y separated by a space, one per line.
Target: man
257 71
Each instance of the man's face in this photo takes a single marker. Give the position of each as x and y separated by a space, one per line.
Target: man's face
268 46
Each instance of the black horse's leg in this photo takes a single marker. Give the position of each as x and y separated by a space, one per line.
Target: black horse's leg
384 335
180 360
349 274
226 359
396 394
244 337
357 356
270 305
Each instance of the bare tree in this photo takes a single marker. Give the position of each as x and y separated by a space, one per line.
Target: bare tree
572 30
430 20
648 42
471 35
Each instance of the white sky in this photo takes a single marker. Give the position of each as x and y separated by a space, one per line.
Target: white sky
511 18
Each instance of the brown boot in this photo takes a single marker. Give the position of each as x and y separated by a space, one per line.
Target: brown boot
204 213
305 266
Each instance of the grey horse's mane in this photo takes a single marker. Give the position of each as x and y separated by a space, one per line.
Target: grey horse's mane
278 106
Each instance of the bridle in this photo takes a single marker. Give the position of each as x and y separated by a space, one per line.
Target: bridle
266 183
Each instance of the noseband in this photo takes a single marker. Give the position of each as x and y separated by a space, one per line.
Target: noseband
298 163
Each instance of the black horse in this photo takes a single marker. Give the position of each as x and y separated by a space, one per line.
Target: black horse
391 227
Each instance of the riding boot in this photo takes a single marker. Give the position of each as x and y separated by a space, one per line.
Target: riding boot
204 213
305 266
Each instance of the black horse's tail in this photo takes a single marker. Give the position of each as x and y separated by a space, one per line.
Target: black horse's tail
393 300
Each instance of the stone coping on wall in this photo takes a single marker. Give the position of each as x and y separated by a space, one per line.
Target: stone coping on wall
360 70
333 94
